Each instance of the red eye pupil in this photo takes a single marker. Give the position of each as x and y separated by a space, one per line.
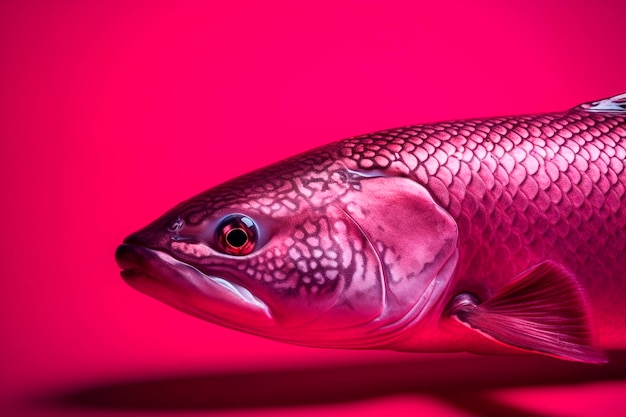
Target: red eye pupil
237 235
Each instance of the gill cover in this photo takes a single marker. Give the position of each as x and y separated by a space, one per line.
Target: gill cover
413 242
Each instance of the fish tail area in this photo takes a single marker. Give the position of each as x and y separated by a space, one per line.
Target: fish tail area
615 104
543 310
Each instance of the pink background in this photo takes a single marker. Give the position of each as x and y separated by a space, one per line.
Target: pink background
112 112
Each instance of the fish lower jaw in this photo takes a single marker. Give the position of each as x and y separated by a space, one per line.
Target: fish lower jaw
186 288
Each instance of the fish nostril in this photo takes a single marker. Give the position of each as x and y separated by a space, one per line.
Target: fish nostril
176 225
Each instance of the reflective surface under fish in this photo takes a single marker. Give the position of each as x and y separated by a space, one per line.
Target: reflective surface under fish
498 235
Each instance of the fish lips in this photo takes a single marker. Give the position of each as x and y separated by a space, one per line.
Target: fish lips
182 286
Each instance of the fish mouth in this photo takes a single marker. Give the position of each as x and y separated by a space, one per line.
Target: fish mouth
160 275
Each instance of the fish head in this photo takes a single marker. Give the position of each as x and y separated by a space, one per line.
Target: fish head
306 251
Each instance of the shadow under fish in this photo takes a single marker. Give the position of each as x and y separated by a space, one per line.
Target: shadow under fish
460 381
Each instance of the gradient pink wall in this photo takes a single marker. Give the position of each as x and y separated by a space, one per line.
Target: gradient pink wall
112 112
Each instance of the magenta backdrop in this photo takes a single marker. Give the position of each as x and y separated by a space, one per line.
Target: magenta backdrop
112 112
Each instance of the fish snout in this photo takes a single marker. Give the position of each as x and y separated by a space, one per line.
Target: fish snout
134 239
133 258
126 256
136 249
154 236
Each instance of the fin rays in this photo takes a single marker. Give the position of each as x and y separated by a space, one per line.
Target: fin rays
615 104
543 310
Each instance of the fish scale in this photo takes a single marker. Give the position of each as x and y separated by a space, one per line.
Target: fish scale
524 188
491 235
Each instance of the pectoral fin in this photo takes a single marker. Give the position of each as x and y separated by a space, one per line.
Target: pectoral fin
542 310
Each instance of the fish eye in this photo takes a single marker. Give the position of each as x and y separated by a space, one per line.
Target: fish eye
237 235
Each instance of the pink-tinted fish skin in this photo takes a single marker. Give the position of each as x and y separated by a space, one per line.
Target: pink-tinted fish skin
389 240
522 190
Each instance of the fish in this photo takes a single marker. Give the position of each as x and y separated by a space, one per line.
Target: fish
502 235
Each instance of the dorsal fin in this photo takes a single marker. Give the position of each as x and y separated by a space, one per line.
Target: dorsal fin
615 104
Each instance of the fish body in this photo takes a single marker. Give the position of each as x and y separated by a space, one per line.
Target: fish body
497 235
